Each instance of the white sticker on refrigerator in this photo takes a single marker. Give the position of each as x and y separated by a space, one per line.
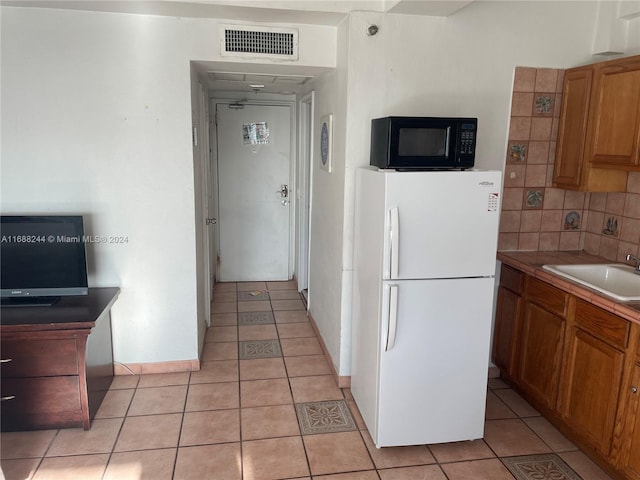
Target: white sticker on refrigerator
493 202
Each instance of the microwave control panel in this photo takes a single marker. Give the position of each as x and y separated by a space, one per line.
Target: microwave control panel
467 138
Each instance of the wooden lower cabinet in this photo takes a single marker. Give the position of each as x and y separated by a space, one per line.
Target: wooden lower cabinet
591 387
506 330
540 354
630 458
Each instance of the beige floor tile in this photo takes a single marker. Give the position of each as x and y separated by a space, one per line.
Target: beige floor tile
584 466
224 319
163 379
257 332
496 408
156 400
222 297
336 453
20 469
260 393
25 444
262 368
300 346
126 382
212 426
141 465
215 372
225 287
427 472
220 351
284 295
279 305
221 334
207 396
516 403
461 451
115 404
307 365
254 306
149 432
398 456
368 475
100 438
287 285
226 307
209 462
491 469
550 434
269 422
264 459
291 316
82 467
295 330
315 389
251 286
509 438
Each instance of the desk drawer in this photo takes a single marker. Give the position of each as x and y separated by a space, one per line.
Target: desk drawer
39 358
40 395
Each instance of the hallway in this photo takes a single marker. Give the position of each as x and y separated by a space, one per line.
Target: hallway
265 406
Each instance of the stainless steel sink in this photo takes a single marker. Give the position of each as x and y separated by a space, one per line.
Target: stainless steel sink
615 280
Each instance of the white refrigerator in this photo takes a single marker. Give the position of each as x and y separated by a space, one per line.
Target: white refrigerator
424 266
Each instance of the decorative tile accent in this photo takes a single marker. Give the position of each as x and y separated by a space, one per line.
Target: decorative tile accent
325 417
259 349
534 199
572 221
534 467
517 152
611 227
255 318
254 295
543 104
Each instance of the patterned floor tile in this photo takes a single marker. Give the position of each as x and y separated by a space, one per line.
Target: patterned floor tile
324 417
532 467
255 318
253 295
260 349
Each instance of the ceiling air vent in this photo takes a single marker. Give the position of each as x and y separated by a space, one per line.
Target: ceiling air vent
259 42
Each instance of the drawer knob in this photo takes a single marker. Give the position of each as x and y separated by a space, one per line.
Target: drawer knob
6 360
8 397
634 389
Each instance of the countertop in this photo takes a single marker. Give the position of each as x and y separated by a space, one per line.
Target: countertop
531 263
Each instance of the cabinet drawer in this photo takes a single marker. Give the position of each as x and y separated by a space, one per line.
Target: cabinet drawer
601 324
547 296
512 279
40 395
39 358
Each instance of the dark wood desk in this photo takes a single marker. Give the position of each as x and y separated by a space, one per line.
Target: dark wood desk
57 361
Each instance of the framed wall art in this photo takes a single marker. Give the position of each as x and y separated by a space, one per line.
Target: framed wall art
325 142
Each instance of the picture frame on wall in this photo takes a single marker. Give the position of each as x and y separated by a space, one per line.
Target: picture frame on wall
325 142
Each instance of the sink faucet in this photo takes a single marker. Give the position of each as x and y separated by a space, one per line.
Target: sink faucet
635 259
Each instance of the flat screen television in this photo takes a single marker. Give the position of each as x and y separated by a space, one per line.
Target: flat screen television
42 257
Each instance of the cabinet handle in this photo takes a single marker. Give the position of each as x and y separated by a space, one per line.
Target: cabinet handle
634 389
6 360
9 397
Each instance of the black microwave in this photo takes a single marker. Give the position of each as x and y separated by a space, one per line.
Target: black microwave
423 143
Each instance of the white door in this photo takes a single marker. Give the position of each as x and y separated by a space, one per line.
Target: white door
254 150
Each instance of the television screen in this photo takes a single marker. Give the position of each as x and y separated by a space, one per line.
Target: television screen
42 256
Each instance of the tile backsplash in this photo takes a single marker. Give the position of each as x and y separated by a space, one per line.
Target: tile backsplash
536 216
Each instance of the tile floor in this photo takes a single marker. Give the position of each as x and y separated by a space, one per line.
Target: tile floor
265 406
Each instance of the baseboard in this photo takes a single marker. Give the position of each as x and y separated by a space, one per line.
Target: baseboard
156 367
342 381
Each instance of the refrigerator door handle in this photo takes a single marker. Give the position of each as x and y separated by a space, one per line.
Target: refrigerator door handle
394 241
393 317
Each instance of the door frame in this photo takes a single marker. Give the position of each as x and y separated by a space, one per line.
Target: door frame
231 97
304 192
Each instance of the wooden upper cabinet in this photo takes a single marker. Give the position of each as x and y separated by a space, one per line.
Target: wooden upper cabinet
599 129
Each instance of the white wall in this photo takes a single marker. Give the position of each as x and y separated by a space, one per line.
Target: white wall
96 119
459 66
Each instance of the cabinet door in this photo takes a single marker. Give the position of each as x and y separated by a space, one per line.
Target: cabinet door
615 115
631 437
540 354
573 127
505 334
592 384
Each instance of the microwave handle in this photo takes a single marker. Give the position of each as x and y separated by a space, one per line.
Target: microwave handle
394 241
